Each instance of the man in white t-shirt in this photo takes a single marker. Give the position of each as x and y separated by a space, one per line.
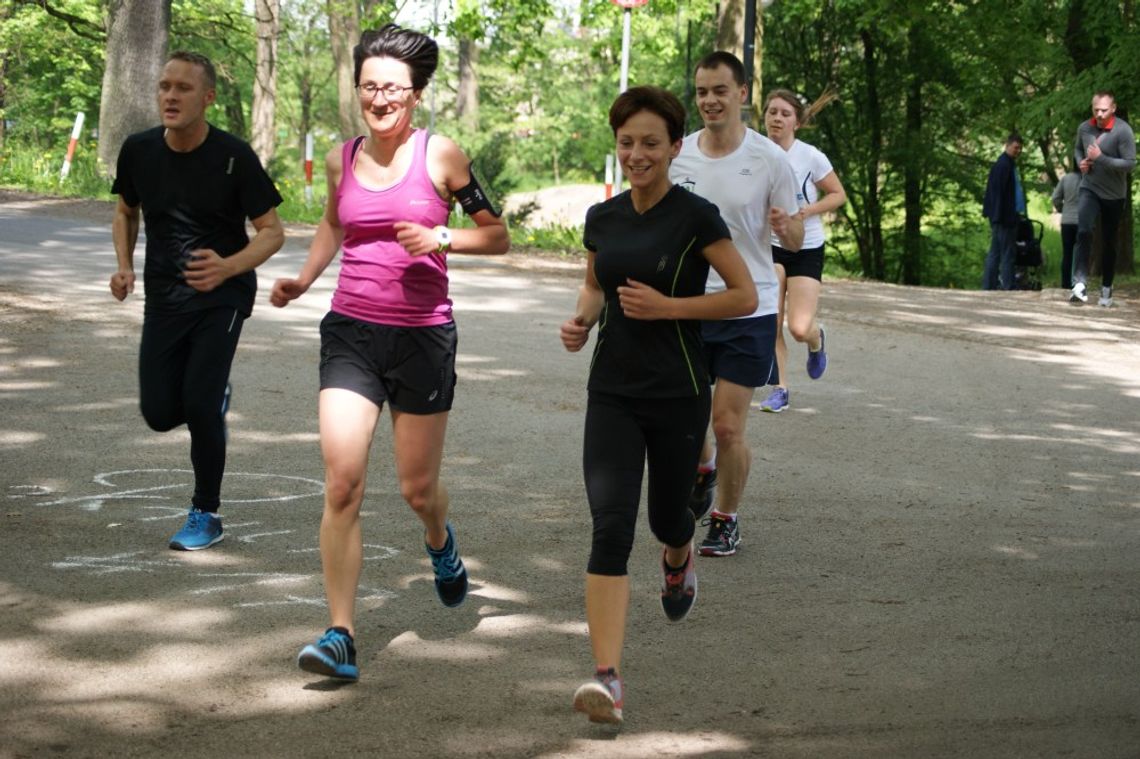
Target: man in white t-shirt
751 182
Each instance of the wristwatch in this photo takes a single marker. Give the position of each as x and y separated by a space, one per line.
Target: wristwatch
443 237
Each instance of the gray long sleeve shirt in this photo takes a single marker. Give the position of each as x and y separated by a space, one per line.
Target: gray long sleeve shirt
1065 197
1108 177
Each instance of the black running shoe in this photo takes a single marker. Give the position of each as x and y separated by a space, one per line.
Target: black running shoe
723 536
678 589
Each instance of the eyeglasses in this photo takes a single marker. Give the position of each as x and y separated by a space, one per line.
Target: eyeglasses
390 91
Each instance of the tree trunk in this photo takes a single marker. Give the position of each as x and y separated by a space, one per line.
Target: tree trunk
1125 253
730 27
229 98
5 12
730 37
467 93
137 34
1085 46
3 97
912 171
263 112
344 31
305 95
873 264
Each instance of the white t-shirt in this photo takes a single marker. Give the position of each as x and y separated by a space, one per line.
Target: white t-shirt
811 166
743 185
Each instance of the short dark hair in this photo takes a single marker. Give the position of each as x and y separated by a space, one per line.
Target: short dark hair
655 100
197 59
1104 94
417 50
1014 137
723 58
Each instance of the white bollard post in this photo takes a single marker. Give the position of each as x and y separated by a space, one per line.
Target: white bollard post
609 175
75 132
309 168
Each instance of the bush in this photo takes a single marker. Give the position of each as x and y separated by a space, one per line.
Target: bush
35 169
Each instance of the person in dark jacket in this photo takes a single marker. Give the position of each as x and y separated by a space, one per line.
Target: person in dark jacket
1003 205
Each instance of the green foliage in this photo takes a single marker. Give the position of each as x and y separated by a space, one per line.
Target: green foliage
224 32
556 238
294 207
33 168
50 72
928 90
971 76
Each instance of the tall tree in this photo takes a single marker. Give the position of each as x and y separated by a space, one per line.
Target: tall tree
5 13
308 67
914 152
344 33
137 34
468 29
869 236
467 95
730 37
264 110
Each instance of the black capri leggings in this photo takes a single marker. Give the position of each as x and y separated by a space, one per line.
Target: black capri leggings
184 364
621 434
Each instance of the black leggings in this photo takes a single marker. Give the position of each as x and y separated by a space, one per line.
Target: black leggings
1091 206
621 434
184 364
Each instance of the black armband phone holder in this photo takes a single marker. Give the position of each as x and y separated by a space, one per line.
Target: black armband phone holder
473 199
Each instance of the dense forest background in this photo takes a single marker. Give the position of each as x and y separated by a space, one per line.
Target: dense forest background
928 90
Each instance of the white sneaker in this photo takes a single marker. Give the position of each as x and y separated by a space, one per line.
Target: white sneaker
1105 297
1079 295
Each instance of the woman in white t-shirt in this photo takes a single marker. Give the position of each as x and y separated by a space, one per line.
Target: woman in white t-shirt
801 273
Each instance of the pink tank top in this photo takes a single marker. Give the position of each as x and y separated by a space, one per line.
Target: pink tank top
379 281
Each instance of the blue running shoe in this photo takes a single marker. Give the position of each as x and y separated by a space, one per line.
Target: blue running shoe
201 530
817 360
450 574
776 402
333 655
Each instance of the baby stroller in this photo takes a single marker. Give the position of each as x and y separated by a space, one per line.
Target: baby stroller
1029 259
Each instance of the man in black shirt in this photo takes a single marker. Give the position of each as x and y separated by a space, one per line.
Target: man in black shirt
196 186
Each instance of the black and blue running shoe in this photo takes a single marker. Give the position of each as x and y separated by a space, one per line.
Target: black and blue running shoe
450 574
333 655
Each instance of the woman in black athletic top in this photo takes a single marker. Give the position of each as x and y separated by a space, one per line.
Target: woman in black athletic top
650 249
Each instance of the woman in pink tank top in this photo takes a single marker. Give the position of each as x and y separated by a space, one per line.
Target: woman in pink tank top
389 336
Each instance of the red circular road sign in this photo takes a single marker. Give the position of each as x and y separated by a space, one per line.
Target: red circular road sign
627 4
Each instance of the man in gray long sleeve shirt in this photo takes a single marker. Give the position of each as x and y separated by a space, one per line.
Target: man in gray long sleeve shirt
1106 154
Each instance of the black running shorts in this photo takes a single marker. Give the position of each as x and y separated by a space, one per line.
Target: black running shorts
805 263
412 368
